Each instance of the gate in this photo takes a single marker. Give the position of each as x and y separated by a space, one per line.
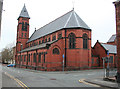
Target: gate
110 69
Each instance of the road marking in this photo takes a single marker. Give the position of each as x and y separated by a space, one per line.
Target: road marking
82 81
90 74
17 80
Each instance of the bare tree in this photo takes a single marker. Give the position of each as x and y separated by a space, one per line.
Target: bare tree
7 54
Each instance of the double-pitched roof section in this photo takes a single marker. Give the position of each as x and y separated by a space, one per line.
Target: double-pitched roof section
68 20
24 13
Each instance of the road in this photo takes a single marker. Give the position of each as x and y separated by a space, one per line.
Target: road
31 78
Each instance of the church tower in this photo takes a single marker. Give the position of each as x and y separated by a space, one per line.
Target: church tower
22 30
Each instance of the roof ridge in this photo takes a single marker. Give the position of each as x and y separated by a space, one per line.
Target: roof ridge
113 34
60 23
55 19
76 19
68 20
108 44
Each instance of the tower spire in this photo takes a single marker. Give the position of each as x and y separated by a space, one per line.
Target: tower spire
24 12
73 4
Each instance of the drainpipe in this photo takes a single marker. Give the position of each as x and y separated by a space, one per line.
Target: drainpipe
36 60
27 60
65 49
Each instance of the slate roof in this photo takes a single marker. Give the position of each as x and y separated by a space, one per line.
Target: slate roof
112 48
112 38
68 20
24 12
38 46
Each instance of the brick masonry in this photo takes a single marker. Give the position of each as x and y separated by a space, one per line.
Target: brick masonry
77 58
117 8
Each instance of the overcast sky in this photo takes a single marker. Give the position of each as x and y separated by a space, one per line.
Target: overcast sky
99 15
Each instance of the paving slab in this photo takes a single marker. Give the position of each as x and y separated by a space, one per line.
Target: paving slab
101 82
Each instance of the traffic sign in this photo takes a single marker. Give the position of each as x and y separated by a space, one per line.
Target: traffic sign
63 56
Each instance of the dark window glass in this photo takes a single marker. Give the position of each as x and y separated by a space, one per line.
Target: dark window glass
92 61
42 41
49 39
44 57
56 51
46 40
34 57
25 26
71 40
25 35
85 41
39 42
22 34
36 43
29 58
24 58
53 38
59 36
40 57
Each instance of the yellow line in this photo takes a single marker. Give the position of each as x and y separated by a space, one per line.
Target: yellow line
23 84
17 80
19 83
82 81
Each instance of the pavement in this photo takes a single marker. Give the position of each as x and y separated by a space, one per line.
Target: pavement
104 82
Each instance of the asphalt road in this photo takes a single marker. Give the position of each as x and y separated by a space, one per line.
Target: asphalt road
31 78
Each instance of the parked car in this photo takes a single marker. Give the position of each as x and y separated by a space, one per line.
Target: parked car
11 65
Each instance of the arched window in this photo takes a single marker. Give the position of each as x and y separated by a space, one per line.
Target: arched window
34 57
25 26
56 51
39 57
85 41
71 40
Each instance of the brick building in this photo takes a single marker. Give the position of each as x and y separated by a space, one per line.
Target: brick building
112 40
117 9
67 35
99 51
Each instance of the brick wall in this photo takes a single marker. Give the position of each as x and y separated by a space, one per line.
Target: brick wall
117 7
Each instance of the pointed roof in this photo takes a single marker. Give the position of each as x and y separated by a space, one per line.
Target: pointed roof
112 38
24 12
111 48
68 20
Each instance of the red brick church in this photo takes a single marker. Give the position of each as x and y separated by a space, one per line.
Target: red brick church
66 41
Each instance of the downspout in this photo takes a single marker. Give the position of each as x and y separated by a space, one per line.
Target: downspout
65 48
27 60
36 61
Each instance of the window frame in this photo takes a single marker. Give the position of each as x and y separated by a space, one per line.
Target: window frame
85 41
55 51
72 41
39 57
